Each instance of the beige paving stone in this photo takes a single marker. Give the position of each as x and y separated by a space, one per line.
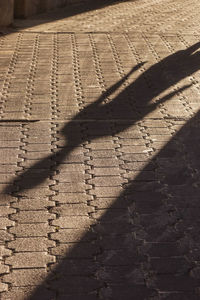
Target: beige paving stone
5 222
138 165
37 155
5 236
31 230
6 178
33 204
3 268
38 147
4 251
105 203
10 144
49 88
34 216
101 146
6 210
106 191
103 154
30 260
72 198
30 244
26 277
75 209
10 135
113 171
73 222
107 181
73 235
40 192
21 293
88 250
97 162
9 156
135 149
68 187
73 167
74 177
3 287
130 157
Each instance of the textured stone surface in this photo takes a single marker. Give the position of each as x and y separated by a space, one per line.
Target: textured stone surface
99 153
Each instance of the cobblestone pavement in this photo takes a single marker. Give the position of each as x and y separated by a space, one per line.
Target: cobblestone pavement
99 154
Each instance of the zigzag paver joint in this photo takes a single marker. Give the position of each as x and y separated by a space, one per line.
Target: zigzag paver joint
99 154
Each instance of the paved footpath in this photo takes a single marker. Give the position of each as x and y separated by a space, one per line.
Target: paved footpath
100 153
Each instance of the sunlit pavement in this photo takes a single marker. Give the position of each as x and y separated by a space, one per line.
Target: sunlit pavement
99 153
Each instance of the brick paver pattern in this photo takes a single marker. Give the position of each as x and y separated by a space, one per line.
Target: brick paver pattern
99 153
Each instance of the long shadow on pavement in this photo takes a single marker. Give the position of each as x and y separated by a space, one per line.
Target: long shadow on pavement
148 240
147 244
133 103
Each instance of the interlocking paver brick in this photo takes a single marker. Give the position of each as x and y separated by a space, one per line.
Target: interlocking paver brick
21 293
25 277
37 216
3 287
113 171
5 236
5 222
6 210
106 191
72 198
106 181
79 209
74 177
73 222
4 251
4 269
127 148
68 187
73 235
31 230
38 203
30 244
29 260
88 250
103 162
